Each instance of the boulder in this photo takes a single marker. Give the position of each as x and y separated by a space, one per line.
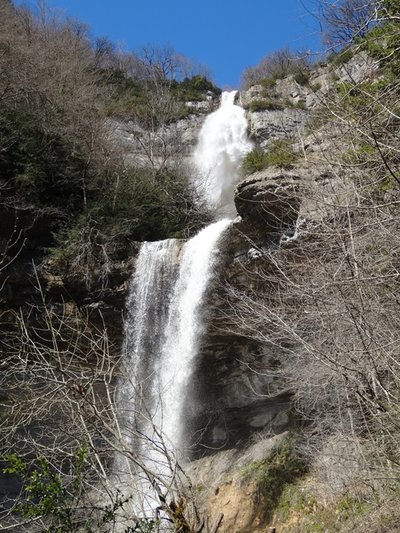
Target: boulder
268 201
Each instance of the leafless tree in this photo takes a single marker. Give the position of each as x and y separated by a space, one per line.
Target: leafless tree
60 377
326 301
345 20
278 64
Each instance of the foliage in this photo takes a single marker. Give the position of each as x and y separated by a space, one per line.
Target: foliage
58 498
254 161
280 153
299 507
382 42
140 207
194 88
274 474
40 166
302 77
315 87
300 105
264 105
268 83
341 57
133 97
57 151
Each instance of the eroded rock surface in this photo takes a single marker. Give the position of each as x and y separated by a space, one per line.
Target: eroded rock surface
269 201
271 125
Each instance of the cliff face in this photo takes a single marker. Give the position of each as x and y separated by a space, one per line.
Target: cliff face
228 395
235 392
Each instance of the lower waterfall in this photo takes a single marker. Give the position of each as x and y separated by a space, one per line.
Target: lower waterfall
163 332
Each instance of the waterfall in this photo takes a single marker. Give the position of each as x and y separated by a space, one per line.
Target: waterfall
184 328
163 330
164 322
223 143
147 315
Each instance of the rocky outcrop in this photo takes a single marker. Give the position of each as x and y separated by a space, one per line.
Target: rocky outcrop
224 489
288 103
271 125
172 144
235 391
269 201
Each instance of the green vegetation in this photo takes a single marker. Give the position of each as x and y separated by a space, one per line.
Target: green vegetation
268 83
134 98
280 153
382 43
254 161
297 509
289 104
194 88
273 475
340 58
264 105
302 77
278 65
140 207
57 157
315 87
59 499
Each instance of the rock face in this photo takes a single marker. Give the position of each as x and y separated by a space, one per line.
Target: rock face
236 391
269 201
271 125
290 102
222 485
172 144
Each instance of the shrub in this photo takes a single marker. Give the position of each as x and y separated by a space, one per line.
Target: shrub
302 77
141 207
274 474
382 43
281 154
57 499
264 105
300 105
44 168
342 57
315 87
254 161
296 105
194 88
268 83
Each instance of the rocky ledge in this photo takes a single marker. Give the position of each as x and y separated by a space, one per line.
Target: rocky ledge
268 201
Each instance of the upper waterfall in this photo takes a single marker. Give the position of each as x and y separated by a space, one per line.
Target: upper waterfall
223 143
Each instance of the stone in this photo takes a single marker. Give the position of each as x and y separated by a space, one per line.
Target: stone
269 200
271 125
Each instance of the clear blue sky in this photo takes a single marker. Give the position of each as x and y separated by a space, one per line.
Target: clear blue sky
225 36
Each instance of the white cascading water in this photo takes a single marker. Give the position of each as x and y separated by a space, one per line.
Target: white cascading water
223 143
184 328
164 323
